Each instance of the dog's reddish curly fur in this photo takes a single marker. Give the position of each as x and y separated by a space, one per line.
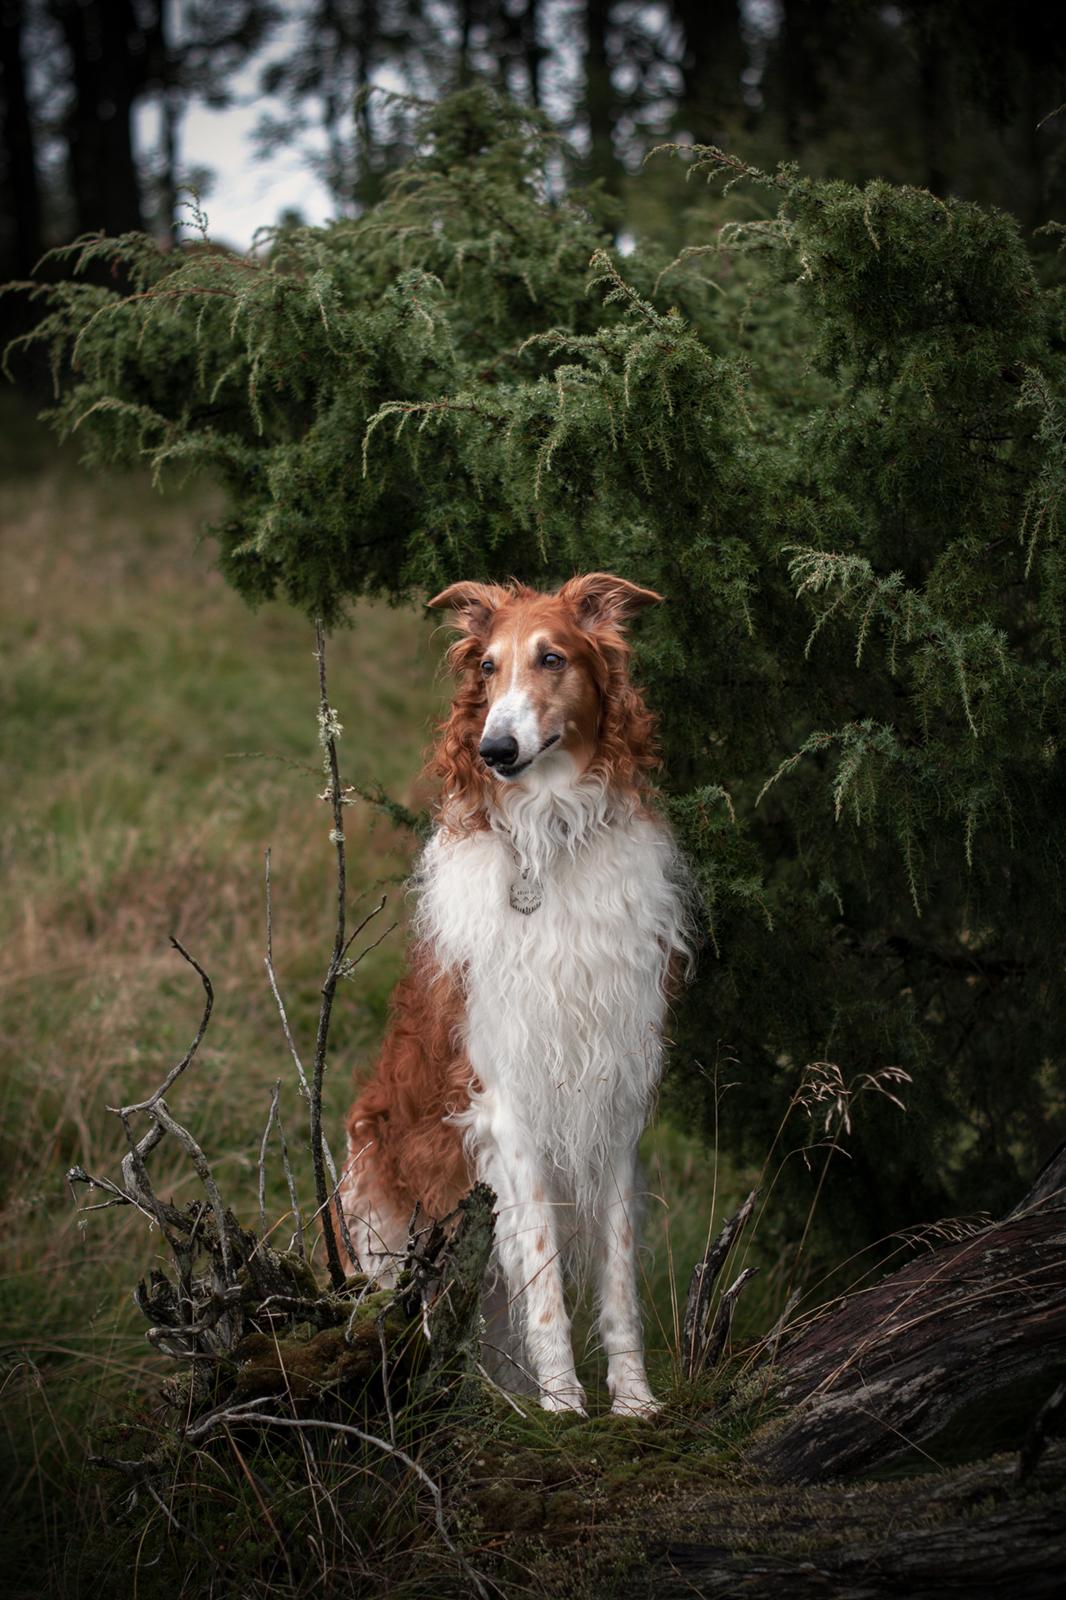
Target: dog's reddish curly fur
422 1077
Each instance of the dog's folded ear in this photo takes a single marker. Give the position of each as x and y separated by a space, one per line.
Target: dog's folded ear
471 604
600 597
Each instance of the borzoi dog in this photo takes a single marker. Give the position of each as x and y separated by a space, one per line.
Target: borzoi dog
525 1042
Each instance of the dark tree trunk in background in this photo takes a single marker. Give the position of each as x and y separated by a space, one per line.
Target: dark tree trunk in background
165 68
521 43
801 48
467 10
20 198
344 44
367 42
1041 99
532 49
714 57
933 111
356 61
600 106
109 61
332 78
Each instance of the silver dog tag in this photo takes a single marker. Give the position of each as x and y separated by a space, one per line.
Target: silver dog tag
526 895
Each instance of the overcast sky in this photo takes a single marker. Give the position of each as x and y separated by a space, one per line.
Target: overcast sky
246 193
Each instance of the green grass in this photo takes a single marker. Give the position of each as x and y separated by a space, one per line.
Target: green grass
130 680
133 686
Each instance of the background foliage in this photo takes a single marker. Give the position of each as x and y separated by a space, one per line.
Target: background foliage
829 431
97 97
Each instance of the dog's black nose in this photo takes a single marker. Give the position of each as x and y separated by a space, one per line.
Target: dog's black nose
500 752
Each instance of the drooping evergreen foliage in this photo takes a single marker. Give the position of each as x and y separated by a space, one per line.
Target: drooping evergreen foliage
832 433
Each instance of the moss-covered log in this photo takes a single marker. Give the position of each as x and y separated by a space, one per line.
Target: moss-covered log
966 1533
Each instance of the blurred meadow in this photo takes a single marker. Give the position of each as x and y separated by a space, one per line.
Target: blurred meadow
157 737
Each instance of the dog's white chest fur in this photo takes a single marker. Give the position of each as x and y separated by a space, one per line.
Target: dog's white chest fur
564 1005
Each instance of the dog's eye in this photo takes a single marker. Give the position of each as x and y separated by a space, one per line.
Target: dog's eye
553 662
488 668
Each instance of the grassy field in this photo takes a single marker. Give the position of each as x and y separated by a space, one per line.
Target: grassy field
134 689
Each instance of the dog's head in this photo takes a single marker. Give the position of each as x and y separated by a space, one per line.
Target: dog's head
544 667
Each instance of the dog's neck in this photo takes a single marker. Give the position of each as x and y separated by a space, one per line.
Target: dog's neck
553 811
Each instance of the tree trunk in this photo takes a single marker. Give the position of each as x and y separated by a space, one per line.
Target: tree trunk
466 26
976 1328
802 48
933 89
533 51
109 57
167 70
967 1533
520 44
600 107
714 57
20 198
887 1369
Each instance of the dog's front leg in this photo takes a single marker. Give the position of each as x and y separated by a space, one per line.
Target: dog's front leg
529 1249
616 1263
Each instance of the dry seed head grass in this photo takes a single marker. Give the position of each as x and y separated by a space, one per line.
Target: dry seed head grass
824 1093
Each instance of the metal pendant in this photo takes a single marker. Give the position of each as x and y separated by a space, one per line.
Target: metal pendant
526 895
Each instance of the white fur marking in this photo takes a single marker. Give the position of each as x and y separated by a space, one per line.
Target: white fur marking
514 714
564 1017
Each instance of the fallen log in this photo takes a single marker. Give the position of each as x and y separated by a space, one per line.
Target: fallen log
881 1373
966 1533
870 1386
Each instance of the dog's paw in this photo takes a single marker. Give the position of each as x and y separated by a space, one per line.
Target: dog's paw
564 1400
635 1403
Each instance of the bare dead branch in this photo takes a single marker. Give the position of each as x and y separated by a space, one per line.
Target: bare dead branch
297 1243
175 1072
160 1113
695 1336
328 730
350 966
119 1197
244 1416
723 1321
333 1199
340 965
353 936
274 1098
305 1087
138 1189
